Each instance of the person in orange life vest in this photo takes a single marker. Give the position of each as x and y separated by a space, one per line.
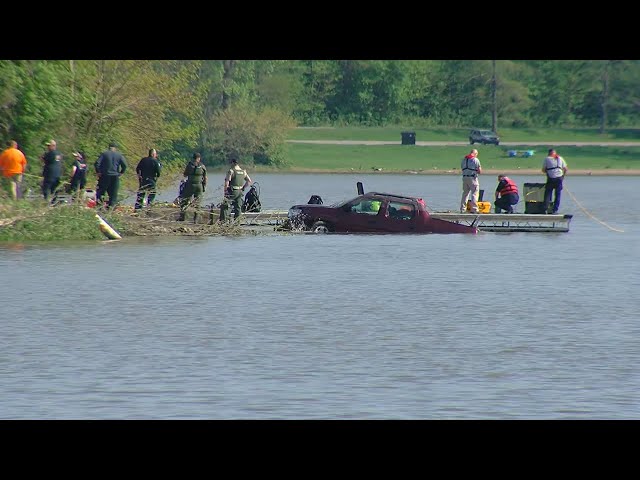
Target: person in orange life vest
471 168
12 166
506 194
556 168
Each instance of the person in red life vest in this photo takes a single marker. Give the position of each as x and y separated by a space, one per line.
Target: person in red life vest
506 194
471 168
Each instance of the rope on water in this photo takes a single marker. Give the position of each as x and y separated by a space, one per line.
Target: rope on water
589 214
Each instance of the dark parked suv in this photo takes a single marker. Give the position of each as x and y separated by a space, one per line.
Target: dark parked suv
483 137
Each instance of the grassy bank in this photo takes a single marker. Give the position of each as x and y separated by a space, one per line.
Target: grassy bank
442 134
402 158
36 221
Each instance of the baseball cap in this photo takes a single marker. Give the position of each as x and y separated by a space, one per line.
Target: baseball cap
77 154
50 142
113 145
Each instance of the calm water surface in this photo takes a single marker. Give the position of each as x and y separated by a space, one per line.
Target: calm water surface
493 326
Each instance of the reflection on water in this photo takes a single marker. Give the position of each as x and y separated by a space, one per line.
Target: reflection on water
331 326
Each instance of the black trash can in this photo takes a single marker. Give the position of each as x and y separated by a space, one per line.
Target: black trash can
408 138
533 194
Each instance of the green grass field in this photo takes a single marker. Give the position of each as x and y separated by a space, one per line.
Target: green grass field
393 133
400 158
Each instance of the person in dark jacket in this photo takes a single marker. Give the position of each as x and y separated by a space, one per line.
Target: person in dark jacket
148 171
506 194
78 173
52 169
194 187
109 166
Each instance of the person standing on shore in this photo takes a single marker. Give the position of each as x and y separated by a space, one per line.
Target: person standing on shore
52 169
471 168
194 187
236 180
555 168
148 171
109 166
12 167
78 173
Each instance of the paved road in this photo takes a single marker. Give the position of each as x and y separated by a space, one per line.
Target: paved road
459 144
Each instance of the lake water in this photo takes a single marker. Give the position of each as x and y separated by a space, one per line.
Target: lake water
276 326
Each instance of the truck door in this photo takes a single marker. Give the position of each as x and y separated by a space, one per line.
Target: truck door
399 217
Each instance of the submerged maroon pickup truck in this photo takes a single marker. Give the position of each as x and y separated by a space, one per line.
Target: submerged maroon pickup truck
372 213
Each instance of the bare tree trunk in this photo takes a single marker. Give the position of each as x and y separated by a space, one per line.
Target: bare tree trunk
605 97
93 120
228 73
73 78
71 118
494 97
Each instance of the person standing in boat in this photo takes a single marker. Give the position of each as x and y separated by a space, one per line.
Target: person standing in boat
506 194
555 168
236 180
195 185
471 168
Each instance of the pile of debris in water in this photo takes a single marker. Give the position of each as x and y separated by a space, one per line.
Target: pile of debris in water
162 219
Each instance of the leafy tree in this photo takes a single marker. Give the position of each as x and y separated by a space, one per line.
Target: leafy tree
617 94
139 104
513 100
10 88
319 83
35 102
424 96
257 136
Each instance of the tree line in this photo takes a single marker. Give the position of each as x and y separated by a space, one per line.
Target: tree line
246 107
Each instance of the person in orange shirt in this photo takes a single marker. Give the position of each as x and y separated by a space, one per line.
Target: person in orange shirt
12 166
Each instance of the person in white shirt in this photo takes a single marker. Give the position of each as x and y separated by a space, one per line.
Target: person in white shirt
471 168
555 168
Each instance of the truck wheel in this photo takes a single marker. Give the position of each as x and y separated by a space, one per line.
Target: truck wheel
320 227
